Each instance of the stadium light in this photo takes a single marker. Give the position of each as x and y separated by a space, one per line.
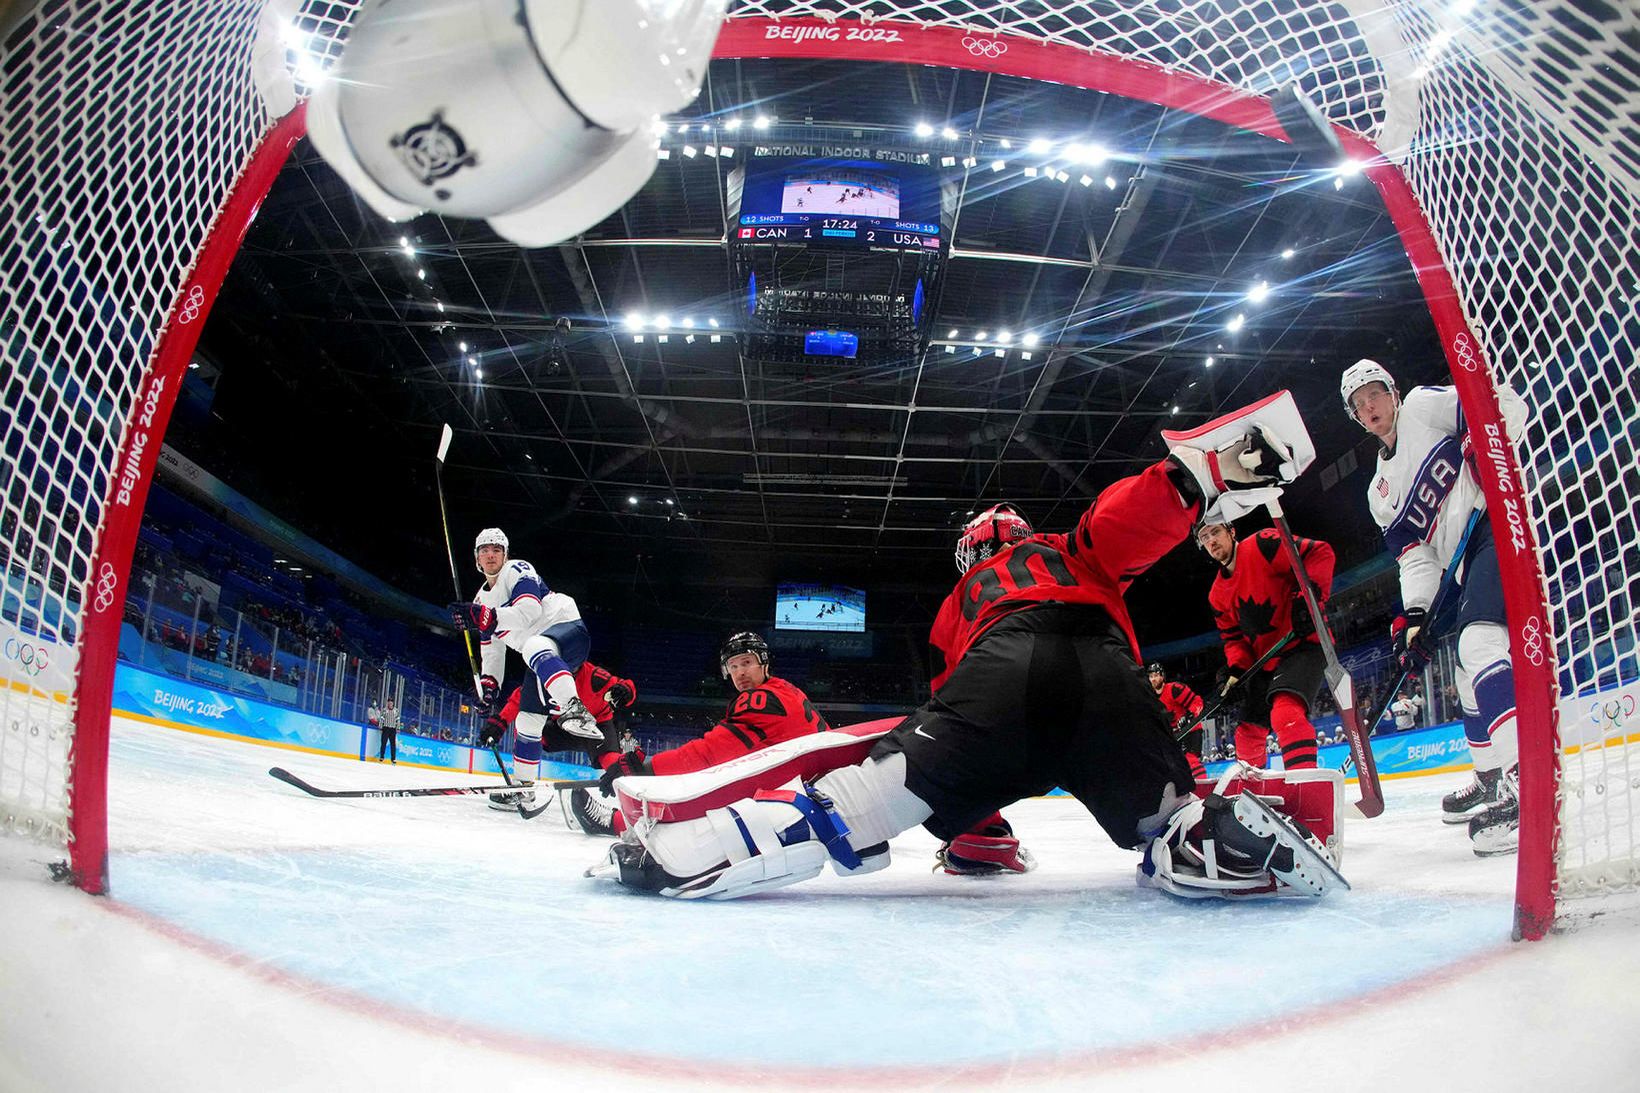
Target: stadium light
1094 155
689 150
637 339
478 373
421 274
716 338
1086 180
953 333
999 165
632 500
924 129
999 352
663 322
658 127
1288 253
689 339
948 161
982 335
1236 323
732 124
663 338
1031 339
1209 362
688 323
1025 356
440 304
762 122
969 161
950 349
1030 172
948 133
711 150
1007 144
1259 292
462 346
634 321
1175 409
1006 337
473 361
662 153
1041 146
1062 176
1110 182
726 152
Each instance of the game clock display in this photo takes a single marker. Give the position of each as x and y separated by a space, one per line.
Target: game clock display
850 203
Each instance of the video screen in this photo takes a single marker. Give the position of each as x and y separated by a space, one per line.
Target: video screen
819 607
843 190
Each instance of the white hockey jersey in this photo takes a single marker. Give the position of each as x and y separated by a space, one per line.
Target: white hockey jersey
1424 491
524 607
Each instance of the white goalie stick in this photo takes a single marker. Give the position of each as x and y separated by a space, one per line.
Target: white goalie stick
1338 679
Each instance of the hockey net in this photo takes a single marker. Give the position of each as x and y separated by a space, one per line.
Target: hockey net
1509 161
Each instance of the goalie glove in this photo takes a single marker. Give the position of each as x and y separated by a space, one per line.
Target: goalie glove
1407 637
475 617
1253 461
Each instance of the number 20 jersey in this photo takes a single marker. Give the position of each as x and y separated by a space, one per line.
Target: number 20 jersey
1128 527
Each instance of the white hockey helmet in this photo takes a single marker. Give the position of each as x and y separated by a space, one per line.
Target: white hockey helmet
536 115
1357 376
490 537
997 527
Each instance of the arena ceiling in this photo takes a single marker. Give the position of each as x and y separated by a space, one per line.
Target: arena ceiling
1180 268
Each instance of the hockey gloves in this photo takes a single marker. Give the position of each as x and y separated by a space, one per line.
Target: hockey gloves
489 695
1225 680
621 694
629 763
1303 624
475 617
1246 463
491 732
1407 635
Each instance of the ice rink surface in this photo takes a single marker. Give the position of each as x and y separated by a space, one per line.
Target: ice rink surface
261 939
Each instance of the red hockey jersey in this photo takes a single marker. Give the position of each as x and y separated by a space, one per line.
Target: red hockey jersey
764 715
1181 701
1254 605
591 684
1127 528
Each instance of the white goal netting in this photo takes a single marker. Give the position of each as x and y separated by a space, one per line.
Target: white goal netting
1516 125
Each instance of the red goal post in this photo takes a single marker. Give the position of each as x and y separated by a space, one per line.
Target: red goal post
122 219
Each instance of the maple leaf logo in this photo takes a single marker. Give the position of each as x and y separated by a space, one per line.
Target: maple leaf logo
1254 617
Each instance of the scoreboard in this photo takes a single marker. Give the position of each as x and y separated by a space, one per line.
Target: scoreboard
842 231
830 202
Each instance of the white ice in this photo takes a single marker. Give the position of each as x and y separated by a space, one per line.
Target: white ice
261 939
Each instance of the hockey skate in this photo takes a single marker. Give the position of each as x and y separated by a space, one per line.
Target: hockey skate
574 718
1495 829
510 800
594 816
1460 805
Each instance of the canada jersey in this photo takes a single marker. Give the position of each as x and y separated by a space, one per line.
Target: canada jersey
1423 492
1180 701
1253 606
524 607
1127 528
591 684
767 714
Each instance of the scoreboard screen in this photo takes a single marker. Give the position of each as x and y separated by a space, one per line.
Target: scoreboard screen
819 607
840 202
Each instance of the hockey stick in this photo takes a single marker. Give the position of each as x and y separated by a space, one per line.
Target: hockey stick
1240 684
450 552
418 791
1338 680
1449 581
524 811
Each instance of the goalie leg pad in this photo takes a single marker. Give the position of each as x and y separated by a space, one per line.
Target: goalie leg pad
776 838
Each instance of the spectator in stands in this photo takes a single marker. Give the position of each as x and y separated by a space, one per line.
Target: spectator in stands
1408 710
390 722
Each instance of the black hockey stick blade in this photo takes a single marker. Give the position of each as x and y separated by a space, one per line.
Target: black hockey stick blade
1223 700
406 791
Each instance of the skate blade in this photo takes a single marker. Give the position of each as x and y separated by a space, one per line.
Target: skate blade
1303 850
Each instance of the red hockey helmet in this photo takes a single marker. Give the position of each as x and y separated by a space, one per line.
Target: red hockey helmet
983 535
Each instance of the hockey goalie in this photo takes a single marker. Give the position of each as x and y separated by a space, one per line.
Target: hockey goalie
1037 684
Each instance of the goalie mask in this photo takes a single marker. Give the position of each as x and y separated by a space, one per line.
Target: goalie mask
983 536
536 115
743 642
1357 376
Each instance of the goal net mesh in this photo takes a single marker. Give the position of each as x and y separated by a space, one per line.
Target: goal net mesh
1517 125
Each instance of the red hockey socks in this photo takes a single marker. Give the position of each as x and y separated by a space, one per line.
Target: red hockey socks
1252 744
1294 732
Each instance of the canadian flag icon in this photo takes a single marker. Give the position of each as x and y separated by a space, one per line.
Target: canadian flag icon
745 233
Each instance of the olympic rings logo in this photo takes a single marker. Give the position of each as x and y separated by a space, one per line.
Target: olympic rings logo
985 47
1531 640
108 583
192 305
1464 350
1616 710
33 658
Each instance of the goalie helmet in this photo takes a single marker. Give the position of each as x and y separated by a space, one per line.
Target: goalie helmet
743 642
1357 376
536 115
984 535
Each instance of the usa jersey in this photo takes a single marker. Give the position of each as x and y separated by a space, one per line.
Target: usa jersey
1253 605
524 607
1424 491
1126 529
764 715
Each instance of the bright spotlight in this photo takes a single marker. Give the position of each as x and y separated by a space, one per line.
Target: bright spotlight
1258 293
1031 339
923 129
762 122
1039 147
948 133
1236 323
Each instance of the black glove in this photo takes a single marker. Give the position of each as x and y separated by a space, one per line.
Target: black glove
1226 679
629 763
1407 633
621 693
1303 624
489 695
491 732
473 616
